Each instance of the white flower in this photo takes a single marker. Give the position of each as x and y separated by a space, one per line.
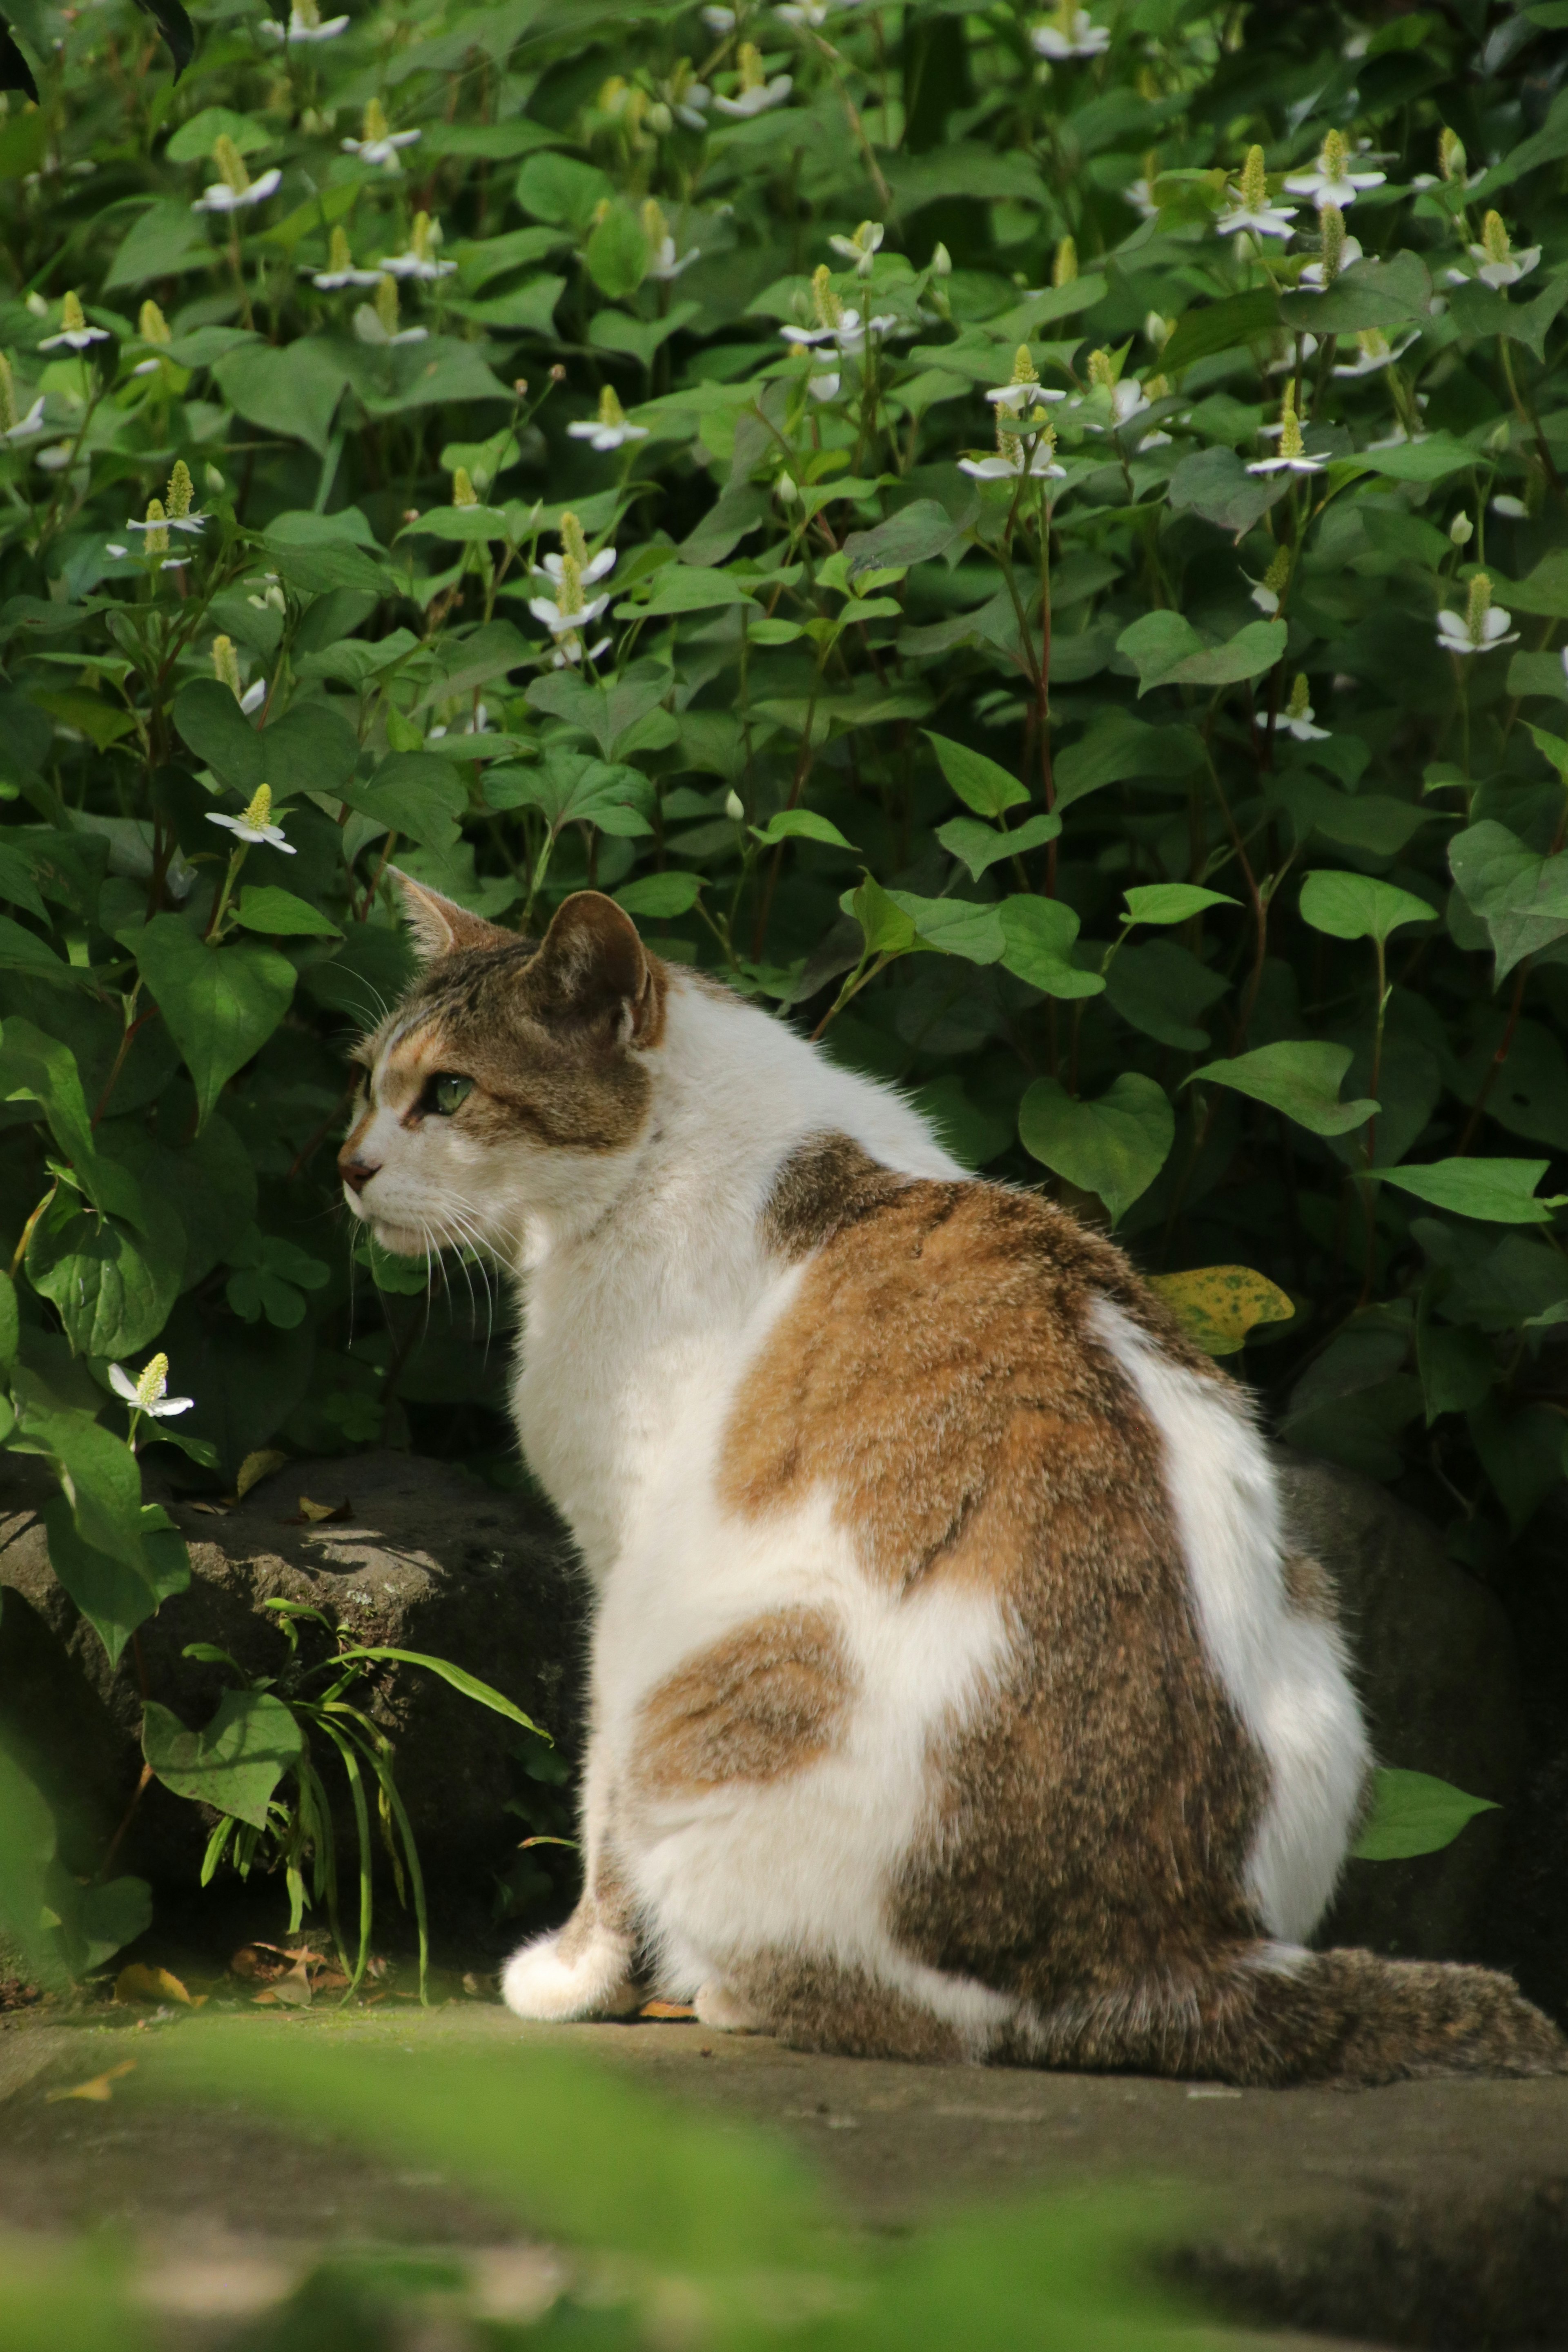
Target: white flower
862 247
718 21
1330 181
665 264
1069 32
1496 263
331 281
758 99
609 429
1512 510
420 260
1140 194
813 13
254 697
370 328
304 25
1298 720
1266 220
1292 457
148 1392
559 621
755 93
74 331
191 522
25 428
1375 351
1012 398
378 144
687 100
1311 281
111 549
553 568
569 650
1481 627
253 824
221 198
55 458
480 724
1036 458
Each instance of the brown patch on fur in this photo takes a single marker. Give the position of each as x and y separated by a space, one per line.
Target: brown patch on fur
606 1904
1308 1590
552 1036
768 1699
1349 2019
820 2005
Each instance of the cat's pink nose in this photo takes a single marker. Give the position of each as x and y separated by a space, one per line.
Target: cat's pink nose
356 1173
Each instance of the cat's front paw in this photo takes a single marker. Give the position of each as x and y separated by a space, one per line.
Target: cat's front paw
569 1975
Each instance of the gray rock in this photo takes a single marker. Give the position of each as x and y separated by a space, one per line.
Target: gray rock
1438 1673
424 1557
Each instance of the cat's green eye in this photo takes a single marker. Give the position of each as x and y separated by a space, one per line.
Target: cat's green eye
447 1092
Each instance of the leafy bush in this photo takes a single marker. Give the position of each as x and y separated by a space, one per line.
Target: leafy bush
1033 545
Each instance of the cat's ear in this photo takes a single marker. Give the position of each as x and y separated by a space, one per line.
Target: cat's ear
593 970
440 926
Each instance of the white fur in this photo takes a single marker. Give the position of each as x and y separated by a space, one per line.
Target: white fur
648 1300
1285 1674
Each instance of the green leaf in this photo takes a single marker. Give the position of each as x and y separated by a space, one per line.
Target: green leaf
800 824
1359 907
608 713
979 782
234 1762
980 846
1496 1192
414 794
686 588
221 1004
483 1694
917 534
1163 991
1250 318
1167 650
1215 484
1037 939
111 1286
658 897
1371 293
289 388
1413 1812
10 1322
194 140
278 913
1521 898
1114 1147
957 927
572 789
116 1594
617 253
310 749
1300 1076
889 932
558 188
1119 747
1171 902
1432 460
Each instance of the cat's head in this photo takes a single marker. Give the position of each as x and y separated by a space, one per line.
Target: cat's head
512 1084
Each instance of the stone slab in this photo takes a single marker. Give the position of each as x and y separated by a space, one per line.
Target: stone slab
1425 2214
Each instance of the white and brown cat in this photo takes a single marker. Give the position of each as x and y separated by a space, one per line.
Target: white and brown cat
956 1692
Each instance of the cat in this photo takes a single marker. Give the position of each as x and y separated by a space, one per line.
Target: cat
956 1693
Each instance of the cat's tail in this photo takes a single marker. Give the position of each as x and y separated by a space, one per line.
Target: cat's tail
1271 2015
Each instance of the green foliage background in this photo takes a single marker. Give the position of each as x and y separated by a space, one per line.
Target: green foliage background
1137 814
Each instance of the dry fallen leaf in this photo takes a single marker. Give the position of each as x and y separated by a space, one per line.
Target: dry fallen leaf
139 1982
101 2088
254 1468
667 2011
211 1510
293 1990
316 1515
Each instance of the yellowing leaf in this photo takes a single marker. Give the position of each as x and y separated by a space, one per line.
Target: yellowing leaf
139 1982
318 1512
101 2088
1218 1305
254 1468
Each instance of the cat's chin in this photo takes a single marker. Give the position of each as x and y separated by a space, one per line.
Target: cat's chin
398 1240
